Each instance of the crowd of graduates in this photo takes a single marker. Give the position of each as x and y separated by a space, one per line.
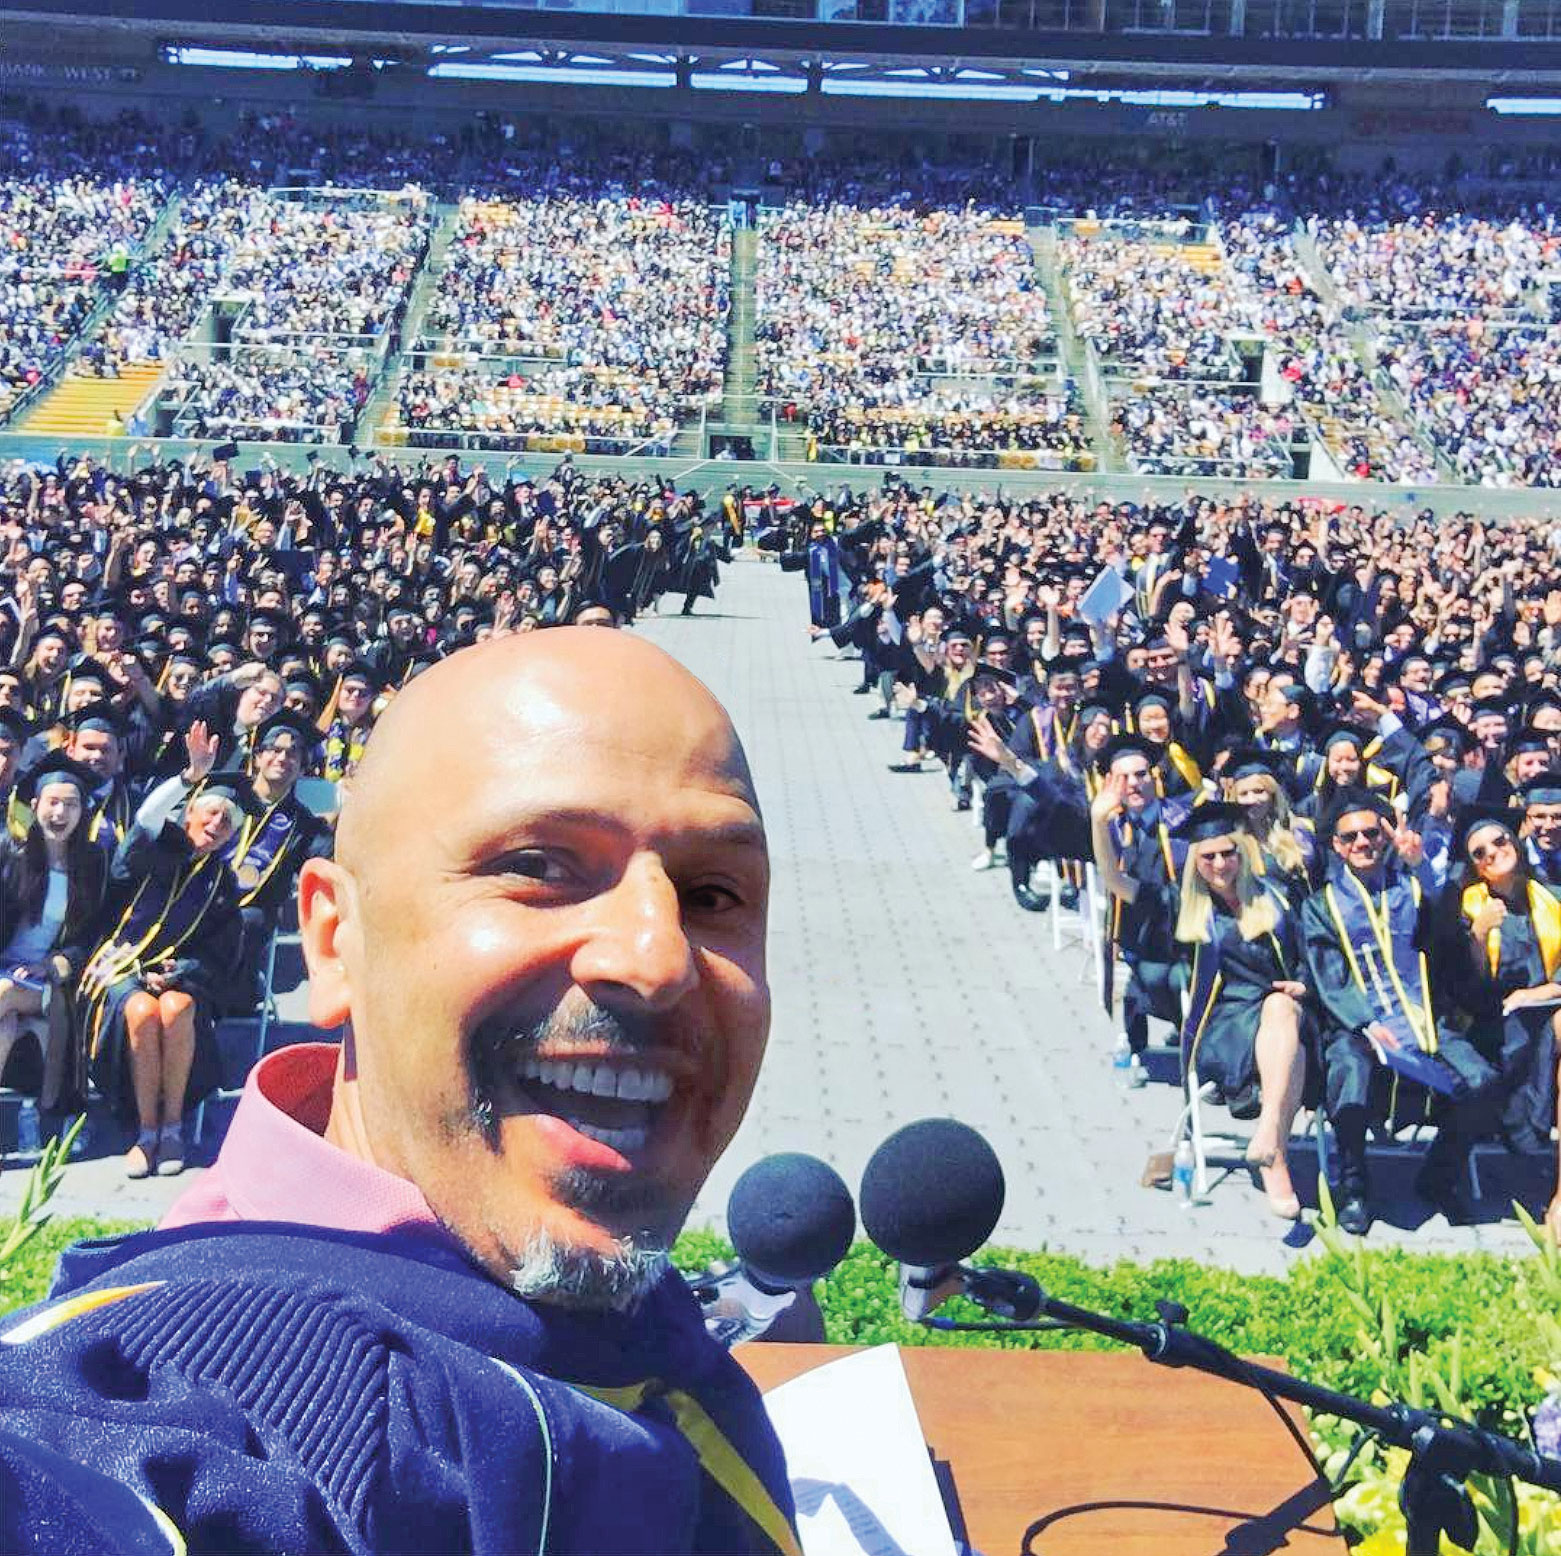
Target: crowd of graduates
192 660
1312 752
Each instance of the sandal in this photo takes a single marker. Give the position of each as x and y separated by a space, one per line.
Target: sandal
170 1152
139 1161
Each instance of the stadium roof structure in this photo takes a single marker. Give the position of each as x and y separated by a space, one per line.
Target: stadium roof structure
1003 49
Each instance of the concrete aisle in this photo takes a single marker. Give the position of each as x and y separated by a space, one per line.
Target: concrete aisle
906 985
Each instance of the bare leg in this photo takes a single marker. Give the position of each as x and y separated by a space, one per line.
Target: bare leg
178 1021
144 1030
10 1026
1281 1072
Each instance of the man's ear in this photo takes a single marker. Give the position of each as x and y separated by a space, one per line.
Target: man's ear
328 928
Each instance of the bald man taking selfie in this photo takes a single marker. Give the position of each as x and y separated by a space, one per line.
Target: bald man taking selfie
422 1302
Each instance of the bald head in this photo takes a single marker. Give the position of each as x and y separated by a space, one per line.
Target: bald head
546 690
545 931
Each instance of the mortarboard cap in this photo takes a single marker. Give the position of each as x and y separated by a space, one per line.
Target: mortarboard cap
361 670
1349 799
1252 762
1121 745
1542 789
231 784
1212 819
1477 817
96 715
284 723
56 767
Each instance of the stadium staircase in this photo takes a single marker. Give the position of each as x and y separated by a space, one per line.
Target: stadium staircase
1097 415
81 407
380 419
739 394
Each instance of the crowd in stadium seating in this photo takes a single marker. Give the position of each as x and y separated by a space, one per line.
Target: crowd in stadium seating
1313 756
1318 360
1151 306
271 394
620 285
874 308
609 410
1194 430
67 203
244 628
1041 426
1490 396
898 307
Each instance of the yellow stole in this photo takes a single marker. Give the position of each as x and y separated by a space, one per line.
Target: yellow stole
1545 912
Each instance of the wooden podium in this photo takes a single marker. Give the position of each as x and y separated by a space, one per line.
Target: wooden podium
1105 1453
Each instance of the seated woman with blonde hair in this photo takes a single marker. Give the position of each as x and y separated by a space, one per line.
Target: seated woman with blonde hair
1244 1026
1245 1019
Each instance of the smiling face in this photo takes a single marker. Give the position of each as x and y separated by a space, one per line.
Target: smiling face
556 977
208 822
1343 762
1219 864
58 810
1360 840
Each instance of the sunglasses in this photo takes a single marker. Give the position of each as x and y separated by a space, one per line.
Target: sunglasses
1360 835
1486 851
1217 855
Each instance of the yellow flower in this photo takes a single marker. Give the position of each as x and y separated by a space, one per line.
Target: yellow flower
1382 1543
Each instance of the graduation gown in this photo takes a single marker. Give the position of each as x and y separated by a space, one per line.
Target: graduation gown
281 1387
1522 952
1368 954
1229 977
166 906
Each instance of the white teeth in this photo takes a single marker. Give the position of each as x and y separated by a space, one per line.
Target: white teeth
599 1080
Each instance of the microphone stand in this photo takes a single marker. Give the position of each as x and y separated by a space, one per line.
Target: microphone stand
1443 1452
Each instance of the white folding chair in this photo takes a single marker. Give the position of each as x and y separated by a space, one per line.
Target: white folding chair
1227 1150
264 1014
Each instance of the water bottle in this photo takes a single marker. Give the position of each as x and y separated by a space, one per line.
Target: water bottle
1137 1075
1122 1062
1182 1173
27 1141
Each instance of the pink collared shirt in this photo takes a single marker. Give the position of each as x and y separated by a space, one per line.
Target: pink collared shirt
276 1165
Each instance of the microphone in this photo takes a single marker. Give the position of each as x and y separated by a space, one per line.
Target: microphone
931 1195
791 1221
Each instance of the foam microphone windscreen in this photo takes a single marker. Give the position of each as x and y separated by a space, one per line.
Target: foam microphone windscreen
932 1193
790 1218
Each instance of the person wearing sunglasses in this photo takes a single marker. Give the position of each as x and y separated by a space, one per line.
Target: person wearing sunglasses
1542 827
1244 1025
1503 954
1388 1056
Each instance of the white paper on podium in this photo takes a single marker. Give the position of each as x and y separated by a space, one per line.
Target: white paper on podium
859 1466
